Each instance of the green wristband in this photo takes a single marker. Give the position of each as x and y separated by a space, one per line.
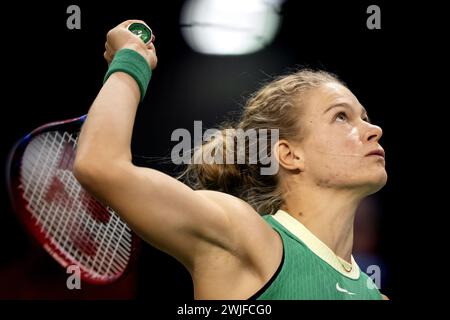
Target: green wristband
134 64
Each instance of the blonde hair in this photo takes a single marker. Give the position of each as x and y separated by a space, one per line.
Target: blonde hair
276 105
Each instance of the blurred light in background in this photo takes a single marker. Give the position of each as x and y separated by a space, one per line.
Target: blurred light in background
230 27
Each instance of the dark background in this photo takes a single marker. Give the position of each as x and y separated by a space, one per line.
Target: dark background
54 73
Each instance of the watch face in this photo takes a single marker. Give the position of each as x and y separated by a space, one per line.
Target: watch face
141 30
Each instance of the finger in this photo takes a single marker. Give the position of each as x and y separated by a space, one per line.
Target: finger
107 57
151 46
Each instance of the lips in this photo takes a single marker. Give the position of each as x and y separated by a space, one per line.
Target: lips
376 152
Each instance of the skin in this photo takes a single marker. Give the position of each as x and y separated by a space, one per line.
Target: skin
229 250
326 176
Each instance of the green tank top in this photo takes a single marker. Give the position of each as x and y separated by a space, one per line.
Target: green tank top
302 274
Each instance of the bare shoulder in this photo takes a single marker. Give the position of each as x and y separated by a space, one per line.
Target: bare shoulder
236 208
254 256
250 231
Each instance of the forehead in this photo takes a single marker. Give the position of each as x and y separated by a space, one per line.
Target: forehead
331 93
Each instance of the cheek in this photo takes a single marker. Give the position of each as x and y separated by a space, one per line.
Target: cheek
336 156
351 143
337 141
331 168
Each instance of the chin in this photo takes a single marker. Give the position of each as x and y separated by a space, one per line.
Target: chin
376 182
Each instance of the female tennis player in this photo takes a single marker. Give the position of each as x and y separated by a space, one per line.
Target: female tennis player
243 235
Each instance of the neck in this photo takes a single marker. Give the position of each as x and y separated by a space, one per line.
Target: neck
328 213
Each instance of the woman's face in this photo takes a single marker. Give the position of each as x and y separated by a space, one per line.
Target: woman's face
339 140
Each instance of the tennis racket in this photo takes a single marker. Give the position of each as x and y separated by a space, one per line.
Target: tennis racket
70 224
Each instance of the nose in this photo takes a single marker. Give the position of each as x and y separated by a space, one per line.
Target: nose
373 133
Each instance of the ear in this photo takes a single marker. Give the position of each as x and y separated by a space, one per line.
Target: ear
289 156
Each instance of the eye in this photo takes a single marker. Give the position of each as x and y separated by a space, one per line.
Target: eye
341 116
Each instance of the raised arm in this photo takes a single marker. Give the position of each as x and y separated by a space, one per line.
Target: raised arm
163 211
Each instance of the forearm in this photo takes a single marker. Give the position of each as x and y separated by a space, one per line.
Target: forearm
106 134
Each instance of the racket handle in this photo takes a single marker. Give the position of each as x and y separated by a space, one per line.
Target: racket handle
142 31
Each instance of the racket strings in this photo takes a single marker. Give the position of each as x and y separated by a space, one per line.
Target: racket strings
75 223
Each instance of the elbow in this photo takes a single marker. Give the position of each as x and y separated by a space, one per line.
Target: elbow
92 179
94 174
90 170
85 172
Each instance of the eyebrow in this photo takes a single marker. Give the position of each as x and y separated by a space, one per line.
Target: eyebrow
346 105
